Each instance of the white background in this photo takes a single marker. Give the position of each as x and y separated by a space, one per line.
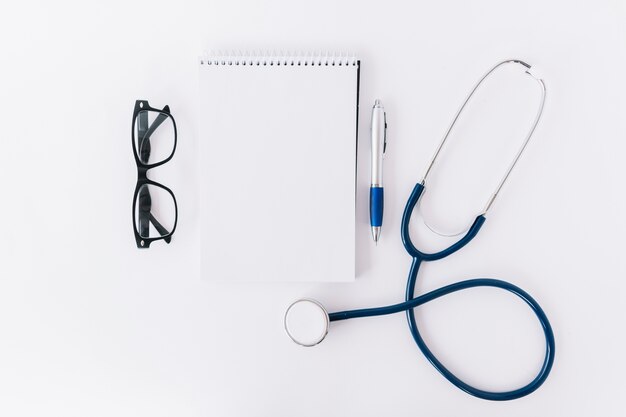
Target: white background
89 325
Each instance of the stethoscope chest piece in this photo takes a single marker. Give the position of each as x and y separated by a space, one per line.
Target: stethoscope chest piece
306 322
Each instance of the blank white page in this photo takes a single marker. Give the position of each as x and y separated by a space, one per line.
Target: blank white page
277 166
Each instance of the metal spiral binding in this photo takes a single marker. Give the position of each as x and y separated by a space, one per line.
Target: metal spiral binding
253 59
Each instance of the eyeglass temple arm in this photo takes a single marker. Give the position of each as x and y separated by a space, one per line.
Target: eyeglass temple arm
162 230
149 130
145 216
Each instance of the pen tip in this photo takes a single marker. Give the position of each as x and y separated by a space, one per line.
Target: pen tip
376 234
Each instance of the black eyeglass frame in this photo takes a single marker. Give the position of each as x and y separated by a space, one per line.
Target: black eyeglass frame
142 178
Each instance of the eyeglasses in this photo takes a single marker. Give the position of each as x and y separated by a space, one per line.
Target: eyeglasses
155 212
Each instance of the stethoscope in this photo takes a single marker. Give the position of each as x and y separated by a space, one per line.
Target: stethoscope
314 320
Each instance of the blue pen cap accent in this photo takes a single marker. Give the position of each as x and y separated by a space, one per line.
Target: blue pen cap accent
376 206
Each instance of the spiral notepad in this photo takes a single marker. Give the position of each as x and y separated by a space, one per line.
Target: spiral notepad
277 166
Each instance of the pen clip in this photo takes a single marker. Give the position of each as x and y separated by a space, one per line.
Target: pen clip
385 134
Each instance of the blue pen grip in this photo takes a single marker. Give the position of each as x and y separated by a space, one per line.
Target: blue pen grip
376 206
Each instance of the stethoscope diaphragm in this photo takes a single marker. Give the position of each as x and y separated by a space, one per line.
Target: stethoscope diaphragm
306 322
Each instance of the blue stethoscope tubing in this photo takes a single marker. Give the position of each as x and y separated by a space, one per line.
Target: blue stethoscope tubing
412 302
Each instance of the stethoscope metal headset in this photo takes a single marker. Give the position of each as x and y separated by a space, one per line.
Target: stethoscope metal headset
411 301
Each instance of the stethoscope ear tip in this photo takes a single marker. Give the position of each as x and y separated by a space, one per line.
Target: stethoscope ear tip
306 322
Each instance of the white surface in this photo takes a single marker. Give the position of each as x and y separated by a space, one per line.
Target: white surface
277 171
92 326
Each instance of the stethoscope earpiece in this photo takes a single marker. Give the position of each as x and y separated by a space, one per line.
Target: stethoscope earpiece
306 322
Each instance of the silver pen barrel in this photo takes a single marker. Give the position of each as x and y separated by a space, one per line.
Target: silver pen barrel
378 144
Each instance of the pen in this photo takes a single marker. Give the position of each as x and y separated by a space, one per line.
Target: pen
379 145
